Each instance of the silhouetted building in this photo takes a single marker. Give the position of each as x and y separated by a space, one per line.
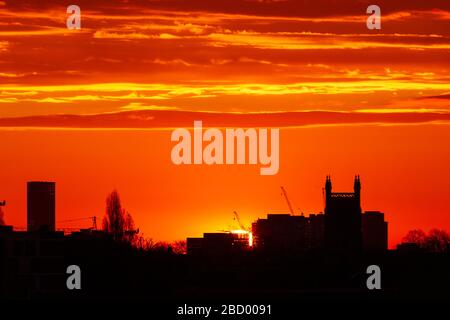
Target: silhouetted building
41 206
343 219
194 246
288 233
375 232
32 263
316 230
217 243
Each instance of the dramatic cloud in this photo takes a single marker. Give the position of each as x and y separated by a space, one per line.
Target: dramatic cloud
154 118
209 56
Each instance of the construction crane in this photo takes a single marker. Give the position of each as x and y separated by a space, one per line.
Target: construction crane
236 217
93 219
284 193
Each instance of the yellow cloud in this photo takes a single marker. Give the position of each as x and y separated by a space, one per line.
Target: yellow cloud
133 106
102 34
10 75
148 91
4 46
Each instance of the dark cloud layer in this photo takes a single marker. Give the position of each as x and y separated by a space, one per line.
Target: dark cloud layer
294 8
169 119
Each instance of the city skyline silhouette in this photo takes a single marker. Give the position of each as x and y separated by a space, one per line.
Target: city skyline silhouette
323 252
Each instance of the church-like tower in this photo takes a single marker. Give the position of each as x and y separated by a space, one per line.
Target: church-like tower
343 219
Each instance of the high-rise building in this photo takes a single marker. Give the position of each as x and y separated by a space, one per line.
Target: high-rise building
343 233
223 243
375 232
40 206
288 233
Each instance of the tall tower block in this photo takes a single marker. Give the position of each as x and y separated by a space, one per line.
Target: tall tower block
40 206
343 234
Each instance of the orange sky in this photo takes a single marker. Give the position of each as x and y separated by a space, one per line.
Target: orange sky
145 66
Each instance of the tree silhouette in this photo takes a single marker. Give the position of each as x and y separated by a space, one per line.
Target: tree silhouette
117 221
128 222
416 236
179 247
436 240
